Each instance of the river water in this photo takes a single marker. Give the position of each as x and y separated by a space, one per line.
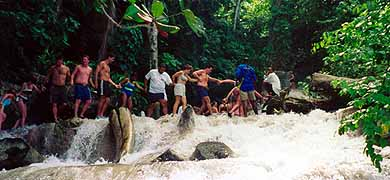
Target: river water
271 147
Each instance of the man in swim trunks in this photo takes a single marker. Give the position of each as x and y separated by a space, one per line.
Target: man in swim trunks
103 83
156 90
58 74
80 79
202 87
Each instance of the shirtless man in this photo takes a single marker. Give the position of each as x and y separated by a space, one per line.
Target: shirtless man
202 87
58 74
103 82
80 79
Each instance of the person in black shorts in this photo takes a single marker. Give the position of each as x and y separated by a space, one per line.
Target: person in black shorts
57 75
103 84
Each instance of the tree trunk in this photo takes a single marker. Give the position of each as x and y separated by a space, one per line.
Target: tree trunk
237 14
109 26
152 35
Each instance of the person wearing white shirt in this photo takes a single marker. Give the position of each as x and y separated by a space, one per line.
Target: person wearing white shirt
155 83
272 79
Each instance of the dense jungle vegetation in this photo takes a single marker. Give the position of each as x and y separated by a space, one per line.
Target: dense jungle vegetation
341 37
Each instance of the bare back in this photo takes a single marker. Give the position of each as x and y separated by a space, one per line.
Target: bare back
104 71
83 74
59 75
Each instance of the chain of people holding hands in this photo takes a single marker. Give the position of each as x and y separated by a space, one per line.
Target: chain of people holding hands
239 100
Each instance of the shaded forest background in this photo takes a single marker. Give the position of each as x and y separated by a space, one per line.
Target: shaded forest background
276 33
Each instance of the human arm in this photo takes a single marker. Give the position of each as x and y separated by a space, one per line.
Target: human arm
68 75
113 83
146 81
197 73
176 75
138 86
76 70
125 80
35 88
228 81
215 80
191 79
229 94
98 68
49 74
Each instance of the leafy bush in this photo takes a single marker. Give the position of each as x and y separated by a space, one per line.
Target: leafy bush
359 49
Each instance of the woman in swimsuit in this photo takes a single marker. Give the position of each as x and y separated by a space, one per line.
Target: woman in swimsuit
180 79
23 98
127 91
5 100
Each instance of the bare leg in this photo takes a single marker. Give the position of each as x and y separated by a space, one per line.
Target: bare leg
245 106
203 107
254 107
3 116
105 105
208 104
100 105
55 111
150 109
130 104
85 107
164 104
123 99
76 107
23 110
184 102
176 105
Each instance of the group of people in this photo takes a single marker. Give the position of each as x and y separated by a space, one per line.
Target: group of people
82 78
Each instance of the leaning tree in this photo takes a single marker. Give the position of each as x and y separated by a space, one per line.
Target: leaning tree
151 15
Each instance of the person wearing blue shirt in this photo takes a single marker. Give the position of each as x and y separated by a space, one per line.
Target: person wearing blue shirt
247 77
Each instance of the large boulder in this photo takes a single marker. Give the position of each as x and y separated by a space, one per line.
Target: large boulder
211 150
15 152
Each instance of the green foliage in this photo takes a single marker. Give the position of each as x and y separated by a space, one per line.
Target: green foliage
360 49
126 44
171 61
42 24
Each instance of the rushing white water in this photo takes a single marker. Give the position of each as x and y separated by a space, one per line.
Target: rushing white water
84 142
273 147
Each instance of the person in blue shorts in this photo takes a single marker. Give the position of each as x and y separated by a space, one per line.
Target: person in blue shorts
128 89
80 78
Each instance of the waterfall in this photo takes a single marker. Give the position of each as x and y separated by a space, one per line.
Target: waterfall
83 147
275 147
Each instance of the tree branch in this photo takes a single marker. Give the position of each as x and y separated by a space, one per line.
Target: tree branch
118 24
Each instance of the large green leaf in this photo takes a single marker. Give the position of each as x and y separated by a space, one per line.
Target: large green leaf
157 8
131 13
168 28
194 22
132 1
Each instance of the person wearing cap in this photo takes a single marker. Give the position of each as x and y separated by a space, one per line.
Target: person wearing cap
103 83
155 83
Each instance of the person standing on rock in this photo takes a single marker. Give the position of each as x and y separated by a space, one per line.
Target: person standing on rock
247 76
180 78
156 88
103 83
202 87
271 79
128 89
80 79
58 75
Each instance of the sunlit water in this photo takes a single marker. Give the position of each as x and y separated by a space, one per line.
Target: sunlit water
272 147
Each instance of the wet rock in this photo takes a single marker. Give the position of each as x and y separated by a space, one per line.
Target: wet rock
168 155
14 153
274 105
297 101
186 122
211 150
